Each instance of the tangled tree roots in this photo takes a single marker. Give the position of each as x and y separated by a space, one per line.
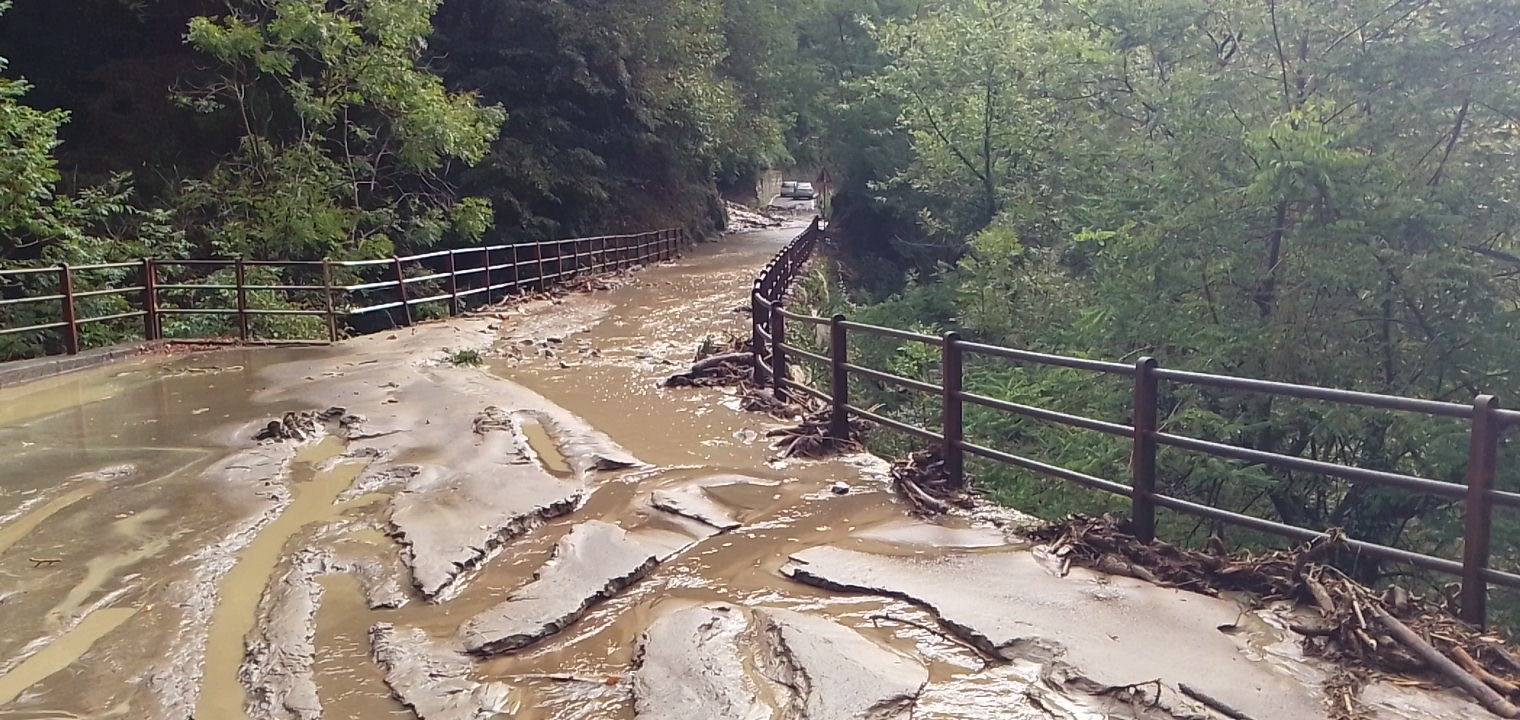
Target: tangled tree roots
1393 632
810 438
305 425
724 364
921 479
731 364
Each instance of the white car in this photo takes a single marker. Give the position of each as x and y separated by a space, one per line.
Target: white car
788 188
804 191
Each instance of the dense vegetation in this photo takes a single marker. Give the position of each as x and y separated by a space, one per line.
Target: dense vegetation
1314 191
1317 192
355 129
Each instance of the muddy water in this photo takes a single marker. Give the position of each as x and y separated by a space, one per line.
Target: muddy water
168 523
348 682
62 651
318 481
142 482
544 449
101 502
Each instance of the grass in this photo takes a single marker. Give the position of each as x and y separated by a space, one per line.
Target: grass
466 358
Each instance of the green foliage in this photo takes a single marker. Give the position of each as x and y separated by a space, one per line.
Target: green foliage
1316 192
345 132
466 358
41 225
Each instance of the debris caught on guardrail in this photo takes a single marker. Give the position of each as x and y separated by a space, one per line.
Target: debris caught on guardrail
810 438
921 479
728 363
1392 632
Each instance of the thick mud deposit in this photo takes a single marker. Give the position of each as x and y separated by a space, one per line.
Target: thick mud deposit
552 536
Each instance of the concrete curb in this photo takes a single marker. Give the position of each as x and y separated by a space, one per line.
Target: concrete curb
25 371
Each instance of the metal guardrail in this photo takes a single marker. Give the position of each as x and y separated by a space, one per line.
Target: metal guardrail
458 277
1486 424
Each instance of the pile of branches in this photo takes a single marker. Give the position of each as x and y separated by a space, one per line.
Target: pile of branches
305 425
810 438
921 479
726 364
731 364
1393 632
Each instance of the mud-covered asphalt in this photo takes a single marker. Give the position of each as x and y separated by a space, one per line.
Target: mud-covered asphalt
551 535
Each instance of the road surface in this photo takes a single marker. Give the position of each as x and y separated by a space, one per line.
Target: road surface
549 535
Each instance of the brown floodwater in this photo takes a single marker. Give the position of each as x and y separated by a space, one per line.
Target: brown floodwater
140 525
317 483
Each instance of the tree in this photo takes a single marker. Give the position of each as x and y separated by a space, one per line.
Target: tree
1303 191
346 135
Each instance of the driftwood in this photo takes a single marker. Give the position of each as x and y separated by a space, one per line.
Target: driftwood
1393 632
1493 701
1494 681
728 364
712 363
921 479
1213 703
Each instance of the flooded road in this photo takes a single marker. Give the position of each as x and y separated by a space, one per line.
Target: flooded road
553 535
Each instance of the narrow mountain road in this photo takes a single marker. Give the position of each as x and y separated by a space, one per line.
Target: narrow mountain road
551 535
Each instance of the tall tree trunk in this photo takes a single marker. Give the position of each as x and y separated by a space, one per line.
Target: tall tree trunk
1266 290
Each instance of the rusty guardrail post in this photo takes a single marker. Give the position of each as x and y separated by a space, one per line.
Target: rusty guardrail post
1478 508
70 322
327 300
406 307
150 300
757 319
538 257
240 278
952 414
488 269
778 355
839 382
1142 459
453 286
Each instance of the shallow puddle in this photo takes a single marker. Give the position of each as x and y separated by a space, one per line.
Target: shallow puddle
349 684
61 652
98 571
45 397
316 485
19 528
545 448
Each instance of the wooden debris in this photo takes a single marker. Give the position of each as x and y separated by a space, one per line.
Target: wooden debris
1214 704
1490 699
1393 632
1343 695
728 364
810 438
921 479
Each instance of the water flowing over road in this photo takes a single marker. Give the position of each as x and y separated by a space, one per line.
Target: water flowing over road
550 535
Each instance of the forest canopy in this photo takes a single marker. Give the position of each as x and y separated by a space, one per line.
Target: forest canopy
1313 192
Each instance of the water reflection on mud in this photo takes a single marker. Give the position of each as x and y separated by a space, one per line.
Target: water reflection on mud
141 528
